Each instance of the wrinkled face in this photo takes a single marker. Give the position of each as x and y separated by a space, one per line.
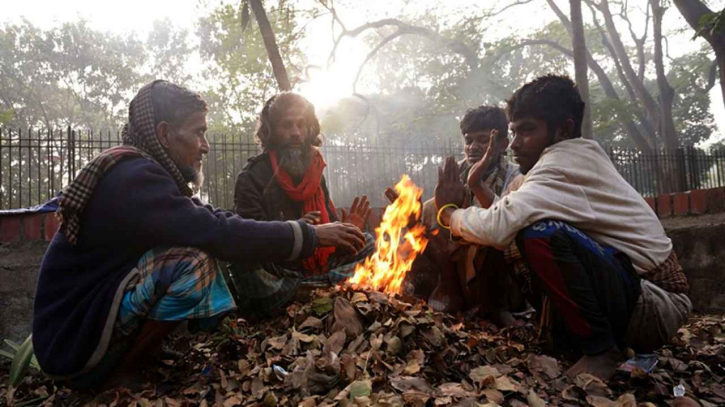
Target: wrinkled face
187 146
476 143
530 139
291 129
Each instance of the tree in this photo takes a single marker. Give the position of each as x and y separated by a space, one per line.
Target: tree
169 49
580 63
280 73
709 25
238 72
72 75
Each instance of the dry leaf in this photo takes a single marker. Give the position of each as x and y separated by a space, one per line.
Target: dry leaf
233 401
685 402
358 297
406 383
454 390
335 342
627 400
479 374
494 395
505 383
544 364
598 401
412 367
592 385
534 400
346 318
311 322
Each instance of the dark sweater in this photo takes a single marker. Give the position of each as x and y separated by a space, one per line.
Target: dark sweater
257 195
135 207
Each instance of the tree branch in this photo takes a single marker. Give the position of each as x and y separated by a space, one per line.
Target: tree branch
456 46
644 143
372 53
512 5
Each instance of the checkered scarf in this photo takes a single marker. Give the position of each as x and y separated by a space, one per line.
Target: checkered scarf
669 275
139 140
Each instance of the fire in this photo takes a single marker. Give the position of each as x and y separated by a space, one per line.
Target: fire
396 246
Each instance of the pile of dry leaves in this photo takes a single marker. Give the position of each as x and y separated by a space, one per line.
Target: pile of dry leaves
349 347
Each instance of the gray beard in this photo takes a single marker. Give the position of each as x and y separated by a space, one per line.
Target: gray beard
295 161
193 177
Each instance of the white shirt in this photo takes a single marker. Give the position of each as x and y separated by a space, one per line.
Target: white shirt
575 182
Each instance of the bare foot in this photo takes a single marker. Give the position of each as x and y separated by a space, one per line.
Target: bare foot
602 366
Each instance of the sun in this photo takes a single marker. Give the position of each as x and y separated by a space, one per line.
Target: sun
325 87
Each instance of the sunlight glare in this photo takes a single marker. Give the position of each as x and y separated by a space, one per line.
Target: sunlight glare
326 87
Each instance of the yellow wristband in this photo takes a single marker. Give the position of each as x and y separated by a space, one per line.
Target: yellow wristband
440 212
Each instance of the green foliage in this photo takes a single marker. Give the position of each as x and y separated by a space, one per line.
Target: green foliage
6 116
689 76
22 357
711 24
239 71
73 75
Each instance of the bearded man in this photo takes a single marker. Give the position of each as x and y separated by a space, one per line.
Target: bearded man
136 253
286 182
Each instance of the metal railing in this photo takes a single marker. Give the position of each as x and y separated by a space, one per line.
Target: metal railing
35 165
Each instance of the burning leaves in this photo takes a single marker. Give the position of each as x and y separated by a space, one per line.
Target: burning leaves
396 245
368 349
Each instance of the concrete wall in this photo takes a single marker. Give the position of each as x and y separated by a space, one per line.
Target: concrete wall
700 245
19 265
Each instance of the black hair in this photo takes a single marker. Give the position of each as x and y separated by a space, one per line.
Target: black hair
173 103
485 117
272 112
551 98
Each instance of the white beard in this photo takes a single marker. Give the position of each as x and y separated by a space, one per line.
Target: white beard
295 161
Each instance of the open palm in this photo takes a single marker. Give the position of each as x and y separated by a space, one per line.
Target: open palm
475 175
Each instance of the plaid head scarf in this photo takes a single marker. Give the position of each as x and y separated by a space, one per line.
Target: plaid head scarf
139 140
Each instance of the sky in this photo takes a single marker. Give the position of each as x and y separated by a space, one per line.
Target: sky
328 84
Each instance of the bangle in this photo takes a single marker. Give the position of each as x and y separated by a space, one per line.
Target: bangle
440 212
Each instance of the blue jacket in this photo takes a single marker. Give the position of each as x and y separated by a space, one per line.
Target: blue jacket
135 207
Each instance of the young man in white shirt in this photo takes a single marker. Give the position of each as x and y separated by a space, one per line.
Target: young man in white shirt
593 252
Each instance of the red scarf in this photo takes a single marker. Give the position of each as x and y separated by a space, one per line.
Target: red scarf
310 192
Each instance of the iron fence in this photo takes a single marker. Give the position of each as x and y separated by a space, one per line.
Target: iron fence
35 165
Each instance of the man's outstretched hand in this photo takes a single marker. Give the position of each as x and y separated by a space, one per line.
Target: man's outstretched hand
450 189
359 212
312 218
391 194
344 236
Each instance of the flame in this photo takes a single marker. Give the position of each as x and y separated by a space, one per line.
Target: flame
396 246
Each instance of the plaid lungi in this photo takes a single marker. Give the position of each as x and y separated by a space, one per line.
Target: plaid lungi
173 284
260 289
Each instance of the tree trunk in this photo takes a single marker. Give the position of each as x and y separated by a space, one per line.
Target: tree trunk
642 93
280 73
693 11
580 63
720 56
644 142
667 94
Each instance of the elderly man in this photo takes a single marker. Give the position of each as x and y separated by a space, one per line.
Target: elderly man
465 268
585 240
135 254
286 182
